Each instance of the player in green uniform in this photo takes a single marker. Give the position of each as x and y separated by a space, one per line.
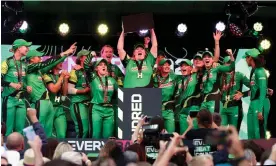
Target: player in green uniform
211 82
79 91
103 91
258 91
160 56
232 82
187 94
39 97
139 68
57 84
13 81
167 81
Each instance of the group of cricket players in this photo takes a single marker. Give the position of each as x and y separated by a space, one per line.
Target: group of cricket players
29 82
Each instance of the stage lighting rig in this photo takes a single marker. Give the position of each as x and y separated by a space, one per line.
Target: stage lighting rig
238 12
143 32
181 29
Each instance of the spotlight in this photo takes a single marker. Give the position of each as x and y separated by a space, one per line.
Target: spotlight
220 26
258 27
64 29
181 29
102 29
24 27
265 44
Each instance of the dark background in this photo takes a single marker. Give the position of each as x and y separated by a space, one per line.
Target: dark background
200 17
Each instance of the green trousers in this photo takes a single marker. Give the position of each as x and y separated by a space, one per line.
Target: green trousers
45 114
211 106
79 114
13 114
60 122
253 129
168 116
229 116
183 114
266 112
102 121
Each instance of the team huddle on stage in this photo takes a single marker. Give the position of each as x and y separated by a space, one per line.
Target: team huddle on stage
92 88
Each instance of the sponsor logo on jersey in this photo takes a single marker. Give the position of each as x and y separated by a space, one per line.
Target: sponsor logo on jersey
16 73
110 87
166 85
252 83
136 68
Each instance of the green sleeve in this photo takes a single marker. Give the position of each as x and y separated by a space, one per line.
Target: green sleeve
245 80
45 66
87 62
261 80
224 68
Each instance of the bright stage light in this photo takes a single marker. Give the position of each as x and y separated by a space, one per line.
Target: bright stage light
64 29
143 32
102 29
265 44
24 27
258 26
220 26
182 28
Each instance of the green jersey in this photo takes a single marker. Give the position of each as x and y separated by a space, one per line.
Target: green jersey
103 89
211 81
54 97
113 70
138 73
258 88
168 85
35 72
79 79
231 83
12 71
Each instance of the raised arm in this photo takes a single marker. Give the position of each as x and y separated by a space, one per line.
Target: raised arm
217 37
120 46
154 47
47 65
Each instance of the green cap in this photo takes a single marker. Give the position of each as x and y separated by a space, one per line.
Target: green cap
163 61
207 53
34 53
99 61
198 55
187 61
82 53
252 52
20 42
226 59
139 45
